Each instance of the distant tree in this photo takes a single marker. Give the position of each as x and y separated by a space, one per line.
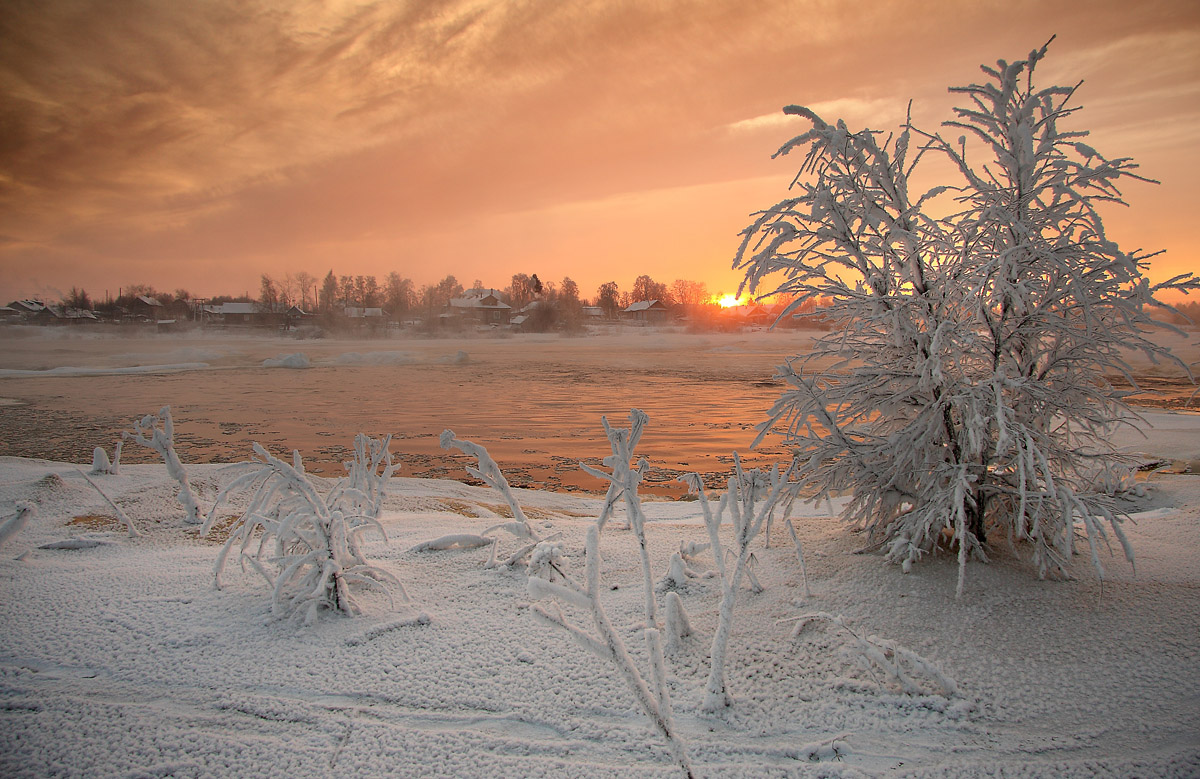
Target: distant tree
346 291
608 299
77 298
305 285
399 297
287 291
971 394
646 288
535 284
522 290
329 294
569 290
372 296
268 296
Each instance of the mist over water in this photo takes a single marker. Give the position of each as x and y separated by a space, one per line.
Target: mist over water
535 402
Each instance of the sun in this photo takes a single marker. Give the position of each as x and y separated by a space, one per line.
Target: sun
728 301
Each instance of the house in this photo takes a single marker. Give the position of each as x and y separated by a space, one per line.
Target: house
646 312
593 313
31 310
481 306
751 314
74 316
235 313
146 307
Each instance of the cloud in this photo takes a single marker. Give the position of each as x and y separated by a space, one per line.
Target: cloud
232 137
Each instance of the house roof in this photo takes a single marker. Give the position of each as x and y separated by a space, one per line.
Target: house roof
479 302
647 305
234 308
149 301
30 306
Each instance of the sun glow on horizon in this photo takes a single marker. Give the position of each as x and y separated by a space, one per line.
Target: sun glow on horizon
729 301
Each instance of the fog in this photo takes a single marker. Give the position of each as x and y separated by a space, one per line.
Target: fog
534 401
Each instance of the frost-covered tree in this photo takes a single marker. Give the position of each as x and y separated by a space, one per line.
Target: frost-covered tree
974 324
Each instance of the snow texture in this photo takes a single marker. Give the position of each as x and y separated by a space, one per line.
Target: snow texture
119 660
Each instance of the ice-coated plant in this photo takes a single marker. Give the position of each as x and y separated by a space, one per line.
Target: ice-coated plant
623 483
489 473
365 485
898 664
750 499
963 385
605 642
121 515
16 522
549 579
306 546
101 465
157 432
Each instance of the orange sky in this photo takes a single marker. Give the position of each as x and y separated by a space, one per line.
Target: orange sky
200 144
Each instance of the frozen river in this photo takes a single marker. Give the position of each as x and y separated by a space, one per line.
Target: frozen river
534 401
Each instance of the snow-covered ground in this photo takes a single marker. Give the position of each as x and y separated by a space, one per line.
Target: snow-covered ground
120 659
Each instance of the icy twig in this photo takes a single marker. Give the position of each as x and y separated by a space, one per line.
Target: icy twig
606 643
800 556
133 531
13 524
893 660
157 432
748 517
489 473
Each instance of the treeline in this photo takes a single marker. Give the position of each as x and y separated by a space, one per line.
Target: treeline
558 305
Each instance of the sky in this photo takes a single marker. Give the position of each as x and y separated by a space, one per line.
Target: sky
199 145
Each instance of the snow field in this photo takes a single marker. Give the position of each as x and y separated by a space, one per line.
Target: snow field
121 660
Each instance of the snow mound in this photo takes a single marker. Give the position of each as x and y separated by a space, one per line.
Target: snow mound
297 360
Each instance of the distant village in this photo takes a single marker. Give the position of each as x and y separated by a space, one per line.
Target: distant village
361 306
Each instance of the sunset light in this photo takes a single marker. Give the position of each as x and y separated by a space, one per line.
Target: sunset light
729 301
594 141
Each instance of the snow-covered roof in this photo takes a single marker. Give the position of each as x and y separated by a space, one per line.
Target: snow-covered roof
646 305
29 306
479 302
149 301
355 312
235 308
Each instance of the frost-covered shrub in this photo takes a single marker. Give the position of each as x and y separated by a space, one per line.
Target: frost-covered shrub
365 485
305 545
966 389
750 499
157 432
